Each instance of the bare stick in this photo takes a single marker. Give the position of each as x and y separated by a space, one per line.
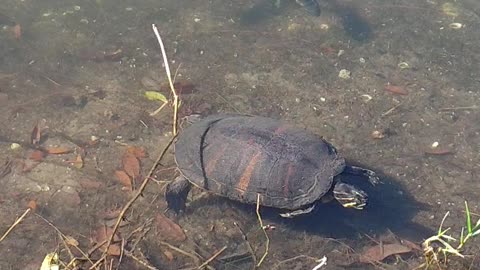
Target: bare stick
15 224
213 257
181 251
139 192
170 81
250 249
260 221
64 237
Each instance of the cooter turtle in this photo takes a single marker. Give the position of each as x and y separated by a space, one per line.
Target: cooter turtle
241 157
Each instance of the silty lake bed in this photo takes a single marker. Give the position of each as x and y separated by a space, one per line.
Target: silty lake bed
392 84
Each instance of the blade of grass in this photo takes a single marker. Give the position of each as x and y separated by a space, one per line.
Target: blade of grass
469 221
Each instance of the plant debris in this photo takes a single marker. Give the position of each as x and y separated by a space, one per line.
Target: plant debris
169 230
36 135
395 89
58 150
131 165
381 251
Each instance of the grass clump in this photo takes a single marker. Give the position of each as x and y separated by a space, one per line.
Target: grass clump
445 244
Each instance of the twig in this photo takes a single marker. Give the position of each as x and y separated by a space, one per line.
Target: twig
213 257
464 108
296 258
170 81
391 110
15 224
145 264
250 249
139 192
260 221
63 236
181 251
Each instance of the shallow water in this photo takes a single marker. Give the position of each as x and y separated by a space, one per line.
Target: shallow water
80 69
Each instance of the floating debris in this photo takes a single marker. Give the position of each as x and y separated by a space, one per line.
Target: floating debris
378 134
403 65
455 25
344 74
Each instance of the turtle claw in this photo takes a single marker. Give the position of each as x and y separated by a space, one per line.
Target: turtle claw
371 175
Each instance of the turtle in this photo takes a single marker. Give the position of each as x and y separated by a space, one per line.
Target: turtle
260 160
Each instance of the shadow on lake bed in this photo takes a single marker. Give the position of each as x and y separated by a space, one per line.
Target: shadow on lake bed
390 207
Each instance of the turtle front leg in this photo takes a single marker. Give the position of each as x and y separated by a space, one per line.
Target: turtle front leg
371 175
176 194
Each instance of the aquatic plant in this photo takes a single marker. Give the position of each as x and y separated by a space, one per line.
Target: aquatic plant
443 243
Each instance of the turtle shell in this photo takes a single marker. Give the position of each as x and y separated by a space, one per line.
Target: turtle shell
239 156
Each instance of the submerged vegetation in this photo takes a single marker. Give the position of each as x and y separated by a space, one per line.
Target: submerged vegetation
440 246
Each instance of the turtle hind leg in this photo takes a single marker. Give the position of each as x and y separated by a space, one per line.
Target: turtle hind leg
176 194
371 175
298 212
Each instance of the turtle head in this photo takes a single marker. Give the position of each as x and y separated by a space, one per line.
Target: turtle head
350 196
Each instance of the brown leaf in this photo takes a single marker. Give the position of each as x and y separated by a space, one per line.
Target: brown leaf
439 151
58 150
168 254
36 135
131 165
110 214
32 204
380 252
123 178
395 89
68 197
71 241
89 184
17 31
138 152
102 235
169 230
37 155
78 162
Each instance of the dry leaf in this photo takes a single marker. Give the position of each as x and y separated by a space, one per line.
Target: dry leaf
131 165
102 235
32 204
71 241
439 151
37 155
36 135
58 150
396 89
68 197
17 31
169 230
169 255
110 214
89 184
78 162
137 151
380 252
123 178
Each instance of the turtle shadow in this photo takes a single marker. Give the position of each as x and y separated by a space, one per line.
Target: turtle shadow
390 208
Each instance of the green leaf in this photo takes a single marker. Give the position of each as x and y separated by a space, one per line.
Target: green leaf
461 236
156 96
469 221
475 233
